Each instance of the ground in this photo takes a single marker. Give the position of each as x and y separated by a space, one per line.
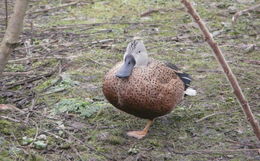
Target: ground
54 78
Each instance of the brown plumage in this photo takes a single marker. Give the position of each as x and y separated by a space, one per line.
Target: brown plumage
144 87
148 93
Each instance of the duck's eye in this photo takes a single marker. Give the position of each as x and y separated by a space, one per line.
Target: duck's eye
139 51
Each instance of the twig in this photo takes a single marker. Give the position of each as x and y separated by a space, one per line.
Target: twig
208 70
244 144
51 85
96 63
234 18
102 41
7 86
11 119
36 133
90 147
256 62
57 137
27 45
147 13
54 8
102 23
190 152
76 151
50 57
31 108
208 116
36 46
55 91
229 74
16 73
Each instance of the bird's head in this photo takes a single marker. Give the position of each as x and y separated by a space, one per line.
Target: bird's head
135 55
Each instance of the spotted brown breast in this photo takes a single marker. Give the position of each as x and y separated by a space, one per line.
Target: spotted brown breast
149 92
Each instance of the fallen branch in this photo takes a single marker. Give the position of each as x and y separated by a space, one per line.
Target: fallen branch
229 74
235 17
256 62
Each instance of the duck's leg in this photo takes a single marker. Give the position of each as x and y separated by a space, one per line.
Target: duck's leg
141 134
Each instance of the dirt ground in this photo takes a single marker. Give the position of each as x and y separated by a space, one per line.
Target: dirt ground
54 78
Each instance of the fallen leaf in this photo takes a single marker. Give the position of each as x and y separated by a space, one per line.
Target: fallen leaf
5 107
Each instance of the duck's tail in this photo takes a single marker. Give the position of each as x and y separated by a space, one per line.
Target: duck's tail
190 92
187 80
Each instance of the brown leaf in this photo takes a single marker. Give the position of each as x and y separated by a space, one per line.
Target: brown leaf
5 107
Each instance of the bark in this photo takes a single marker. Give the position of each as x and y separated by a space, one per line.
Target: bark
229 74
6 14
13 31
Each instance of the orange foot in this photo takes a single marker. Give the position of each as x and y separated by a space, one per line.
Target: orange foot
137 134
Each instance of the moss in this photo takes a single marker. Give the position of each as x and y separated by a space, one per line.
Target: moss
65 146
35 157
2 100
6 127
116 140
155 143
44 85
45 62
5 158
15 67
30 132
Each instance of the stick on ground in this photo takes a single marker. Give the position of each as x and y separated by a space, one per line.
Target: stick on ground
235 17
229 74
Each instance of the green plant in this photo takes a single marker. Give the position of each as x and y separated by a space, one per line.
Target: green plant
85 109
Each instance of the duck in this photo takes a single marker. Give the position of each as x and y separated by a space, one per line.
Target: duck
145 87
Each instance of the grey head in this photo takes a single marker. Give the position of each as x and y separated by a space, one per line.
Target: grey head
135 55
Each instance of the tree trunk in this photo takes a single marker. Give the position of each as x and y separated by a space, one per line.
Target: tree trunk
229 74
13 31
